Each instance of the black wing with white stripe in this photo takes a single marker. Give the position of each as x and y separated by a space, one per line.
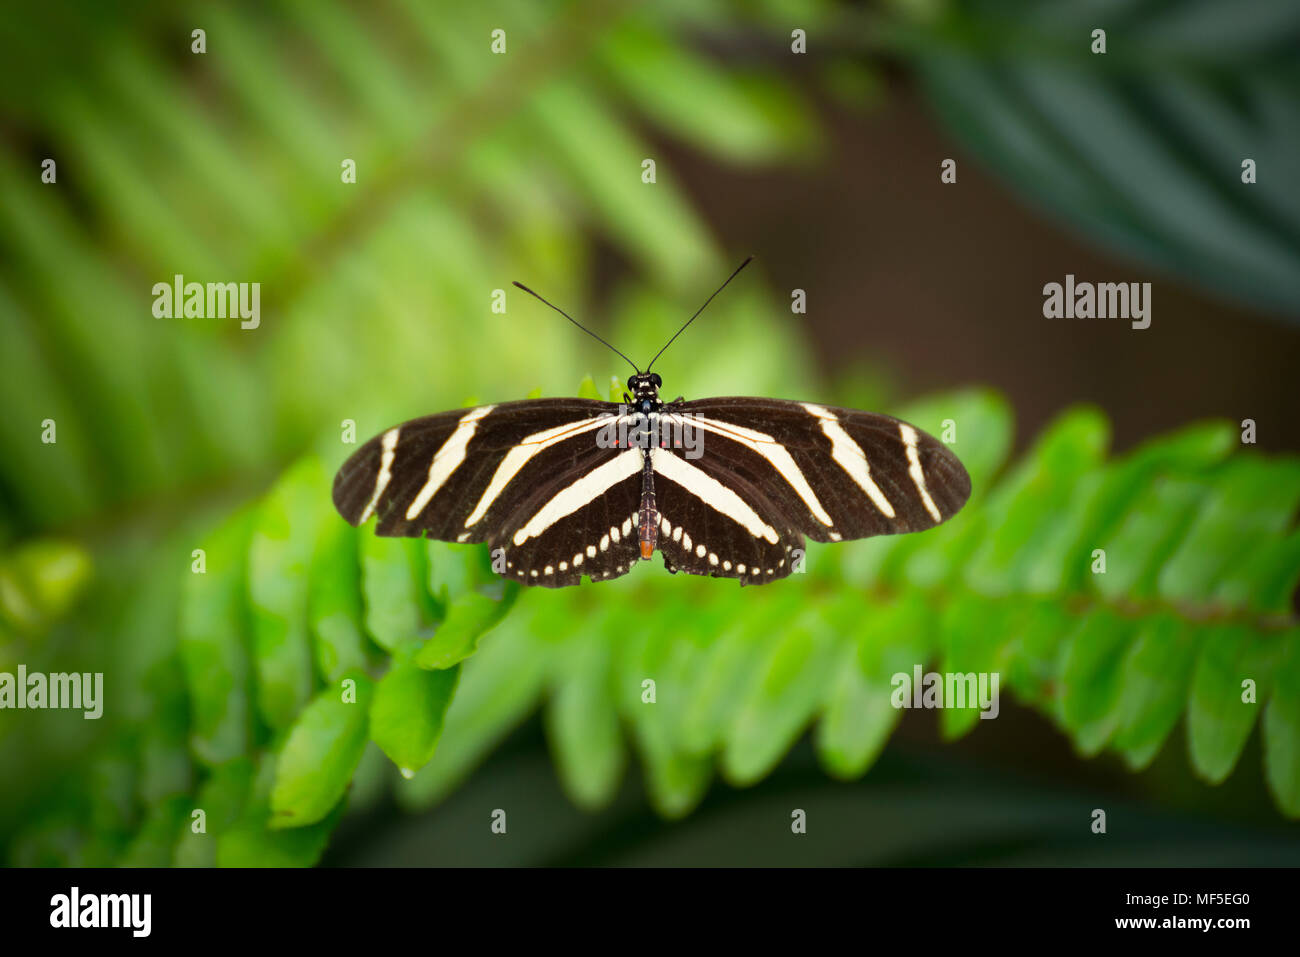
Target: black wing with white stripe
528 478
769 473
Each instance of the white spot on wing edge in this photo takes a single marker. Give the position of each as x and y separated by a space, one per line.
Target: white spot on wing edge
914 469
389 445
850 457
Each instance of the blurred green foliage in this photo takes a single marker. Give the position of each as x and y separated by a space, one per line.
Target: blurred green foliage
1140 147
226 689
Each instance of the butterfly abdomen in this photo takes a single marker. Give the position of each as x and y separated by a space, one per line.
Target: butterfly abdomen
648 515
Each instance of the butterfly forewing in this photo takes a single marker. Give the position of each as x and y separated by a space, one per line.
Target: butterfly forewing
836 474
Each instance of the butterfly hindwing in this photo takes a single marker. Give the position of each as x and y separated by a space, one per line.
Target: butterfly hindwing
719 521
548 544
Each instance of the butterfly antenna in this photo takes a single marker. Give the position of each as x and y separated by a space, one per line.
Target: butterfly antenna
699 310
575 322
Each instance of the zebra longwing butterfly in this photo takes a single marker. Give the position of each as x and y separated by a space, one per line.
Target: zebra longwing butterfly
562 489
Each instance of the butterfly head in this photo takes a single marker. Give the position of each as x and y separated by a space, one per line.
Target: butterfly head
644 387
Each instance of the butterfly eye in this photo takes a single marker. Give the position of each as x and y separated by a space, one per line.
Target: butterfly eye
655 380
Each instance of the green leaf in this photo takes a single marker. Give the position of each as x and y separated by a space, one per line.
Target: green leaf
1106 495
321 752
582 722
859 714
729 667
334 605
1252 502
393 577
499 687
1154 687
1218 719
1033 656
1282 731
406 717
676 779
214 643
252 842
279 559
790 685
1024 509
468 619
973 632
1147 535
1091 678
456 569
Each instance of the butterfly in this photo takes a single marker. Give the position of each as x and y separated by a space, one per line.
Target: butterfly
567 489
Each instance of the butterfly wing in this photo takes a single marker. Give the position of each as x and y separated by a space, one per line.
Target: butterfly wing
764 473
580 521
736 499
530 478
720 521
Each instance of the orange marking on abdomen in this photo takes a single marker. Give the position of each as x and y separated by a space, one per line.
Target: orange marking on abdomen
648 516
648 525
